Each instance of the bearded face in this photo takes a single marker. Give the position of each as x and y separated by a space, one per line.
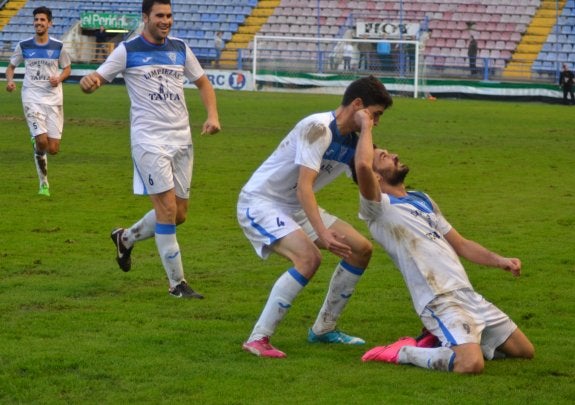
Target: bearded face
397 175
388 166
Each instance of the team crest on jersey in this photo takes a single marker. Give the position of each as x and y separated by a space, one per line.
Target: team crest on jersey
172 56
164 93
50 53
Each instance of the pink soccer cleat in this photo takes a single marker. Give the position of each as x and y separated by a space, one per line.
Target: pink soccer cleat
263 348
426 339
388 353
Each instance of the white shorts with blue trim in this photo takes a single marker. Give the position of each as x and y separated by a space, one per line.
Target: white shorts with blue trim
464 316
264 223
159 168
44 119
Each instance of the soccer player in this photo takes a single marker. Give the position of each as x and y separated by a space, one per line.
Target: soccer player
47 65
278 212
426 249
154 66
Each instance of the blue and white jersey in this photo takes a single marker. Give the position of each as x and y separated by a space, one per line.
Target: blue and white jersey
41 62
411 229
315 143
154 76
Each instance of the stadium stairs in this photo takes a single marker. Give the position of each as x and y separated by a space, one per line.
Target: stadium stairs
519 67
247 31
9 10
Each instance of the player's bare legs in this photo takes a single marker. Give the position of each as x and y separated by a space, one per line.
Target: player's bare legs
468 358
306 259
301 251
342 285
517 345
169 209
143 229
361 248
42 146
45 144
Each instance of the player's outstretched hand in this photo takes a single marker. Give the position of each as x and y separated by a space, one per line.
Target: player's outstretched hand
512 265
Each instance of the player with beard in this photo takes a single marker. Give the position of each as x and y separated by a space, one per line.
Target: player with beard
42 96
154 66
426 249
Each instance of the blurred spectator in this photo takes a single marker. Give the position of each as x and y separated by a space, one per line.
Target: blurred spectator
384 56
348 51
101 45
218 46
365 51
336 56
566 83
472 54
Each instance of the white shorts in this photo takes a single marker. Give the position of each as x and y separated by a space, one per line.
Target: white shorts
160 168
264 223
464 316
44 119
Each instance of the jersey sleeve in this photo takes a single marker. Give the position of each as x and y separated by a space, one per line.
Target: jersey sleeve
64 60
313 140
17 57
370 210
192 68
114 64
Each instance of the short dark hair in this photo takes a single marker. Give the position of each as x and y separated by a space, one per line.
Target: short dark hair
43 10
370 90
148 4
352 167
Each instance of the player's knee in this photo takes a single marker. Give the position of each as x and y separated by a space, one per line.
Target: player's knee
470 366
181 217
40 145
363 253
308 263
528 351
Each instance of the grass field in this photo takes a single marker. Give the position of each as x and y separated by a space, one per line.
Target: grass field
74 329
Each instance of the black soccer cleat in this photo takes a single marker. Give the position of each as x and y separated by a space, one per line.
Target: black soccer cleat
123 254
183 290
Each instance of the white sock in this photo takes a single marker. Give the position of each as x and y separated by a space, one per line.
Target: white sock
141 230
284 291
436 358
170 253
341 287
41 162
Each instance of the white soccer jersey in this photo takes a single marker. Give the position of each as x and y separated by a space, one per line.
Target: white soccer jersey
154 76
41 62
314 142
411 230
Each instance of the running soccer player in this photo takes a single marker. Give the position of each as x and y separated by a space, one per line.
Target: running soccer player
426 249
42 96
154 66
278 212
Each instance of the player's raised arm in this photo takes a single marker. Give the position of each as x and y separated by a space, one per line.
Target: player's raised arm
479 254
91 82
366 177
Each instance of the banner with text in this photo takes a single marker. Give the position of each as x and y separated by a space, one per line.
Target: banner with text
228 79
110 21
389 30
